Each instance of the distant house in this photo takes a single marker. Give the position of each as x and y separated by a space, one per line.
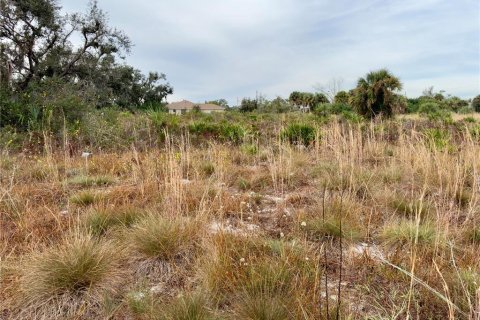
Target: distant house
184 106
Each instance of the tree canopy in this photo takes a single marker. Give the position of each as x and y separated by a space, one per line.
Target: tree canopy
38 43
374 94
307 99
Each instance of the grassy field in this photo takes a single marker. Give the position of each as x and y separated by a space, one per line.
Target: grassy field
346 220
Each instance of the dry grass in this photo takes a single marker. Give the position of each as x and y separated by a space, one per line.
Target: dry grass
75 274
379 216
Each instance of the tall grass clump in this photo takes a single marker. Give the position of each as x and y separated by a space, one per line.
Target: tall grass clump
165 238
408 232
251 307
78 271
188 307
91 181
84 198
99 221
316 228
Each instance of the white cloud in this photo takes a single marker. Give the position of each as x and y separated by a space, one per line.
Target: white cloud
232 48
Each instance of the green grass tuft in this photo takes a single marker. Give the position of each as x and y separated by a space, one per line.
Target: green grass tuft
84 198
164 238
79 264
100 221
405 232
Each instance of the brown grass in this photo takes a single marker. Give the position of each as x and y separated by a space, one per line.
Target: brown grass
372 215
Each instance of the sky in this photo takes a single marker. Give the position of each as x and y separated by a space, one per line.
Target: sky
232 49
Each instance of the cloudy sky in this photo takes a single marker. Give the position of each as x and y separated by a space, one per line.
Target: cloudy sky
234 48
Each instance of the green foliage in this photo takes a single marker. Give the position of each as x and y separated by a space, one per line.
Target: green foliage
47 49
454 104
317 229
219 102
437 138
203 128
476 103
434 112
277 105
325 109
342 97
232 132
374 94
84 198
298 133
307 99
408 232
248 105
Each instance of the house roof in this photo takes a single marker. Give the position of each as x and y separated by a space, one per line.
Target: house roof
188 105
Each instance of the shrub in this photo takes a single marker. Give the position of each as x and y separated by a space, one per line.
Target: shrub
203 128
164 238
476 103
341 97
232 132
297 133
434 112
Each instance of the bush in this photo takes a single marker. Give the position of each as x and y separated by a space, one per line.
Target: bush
476 103
434 112
204 129
232 132
299 134
326 109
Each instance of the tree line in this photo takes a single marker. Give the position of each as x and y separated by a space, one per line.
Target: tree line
65 62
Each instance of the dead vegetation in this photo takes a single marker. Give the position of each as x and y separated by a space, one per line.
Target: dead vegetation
369 221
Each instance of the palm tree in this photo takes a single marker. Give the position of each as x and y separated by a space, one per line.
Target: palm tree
374 94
